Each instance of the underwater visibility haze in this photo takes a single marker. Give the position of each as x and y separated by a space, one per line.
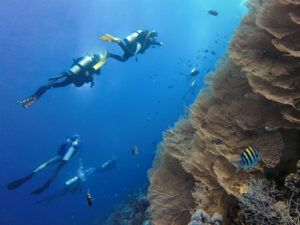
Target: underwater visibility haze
117 145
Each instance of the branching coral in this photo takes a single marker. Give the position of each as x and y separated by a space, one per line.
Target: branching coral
253 100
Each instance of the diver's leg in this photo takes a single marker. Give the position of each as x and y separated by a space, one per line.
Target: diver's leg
123 46
17 183
52 161
33 98
117 57
46 185
42 90
65 82
54 196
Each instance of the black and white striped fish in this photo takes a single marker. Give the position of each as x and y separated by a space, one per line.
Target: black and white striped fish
249 158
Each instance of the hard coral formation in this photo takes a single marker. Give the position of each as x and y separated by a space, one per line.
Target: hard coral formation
258 87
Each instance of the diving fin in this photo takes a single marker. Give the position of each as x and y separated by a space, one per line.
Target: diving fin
28 101
110 38
17 183
41 189
101 63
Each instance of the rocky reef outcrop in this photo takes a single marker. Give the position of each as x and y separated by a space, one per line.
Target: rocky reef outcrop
252 100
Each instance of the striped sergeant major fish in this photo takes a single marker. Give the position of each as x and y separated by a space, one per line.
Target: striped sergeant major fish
249 158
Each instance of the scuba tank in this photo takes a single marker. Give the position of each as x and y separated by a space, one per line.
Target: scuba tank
83 64
71 181
131 38
71 151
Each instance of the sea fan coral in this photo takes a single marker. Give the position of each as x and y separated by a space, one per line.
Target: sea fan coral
257 88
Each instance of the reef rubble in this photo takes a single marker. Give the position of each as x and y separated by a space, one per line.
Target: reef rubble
252 100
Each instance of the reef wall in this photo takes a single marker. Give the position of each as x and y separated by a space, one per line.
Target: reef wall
253 100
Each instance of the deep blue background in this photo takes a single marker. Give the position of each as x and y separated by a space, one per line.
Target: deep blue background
129 105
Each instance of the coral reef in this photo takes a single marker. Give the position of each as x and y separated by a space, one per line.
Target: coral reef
263 203
252 100
292 181
201 218
133 211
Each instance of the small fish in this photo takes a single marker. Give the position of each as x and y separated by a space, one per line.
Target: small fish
194 72
89 199
213 52
193 83
213 12
249 158
135 150
170 86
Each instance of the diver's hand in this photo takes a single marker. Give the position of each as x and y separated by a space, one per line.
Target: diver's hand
92 84
161 44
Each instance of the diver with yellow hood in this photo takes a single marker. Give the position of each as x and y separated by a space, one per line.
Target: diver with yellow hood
82 71
135 43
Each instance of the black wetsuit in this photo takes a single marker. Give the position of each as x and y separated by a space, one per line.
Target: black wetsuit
85 76
130 48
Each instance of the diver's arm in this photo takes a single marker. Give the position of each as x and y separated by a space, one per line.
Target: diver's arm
91 80
156 43
90 171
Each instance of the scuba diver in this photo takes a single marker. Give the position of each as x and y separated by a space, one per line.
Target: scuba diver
66 151
74 185
193 87
82 71
134 44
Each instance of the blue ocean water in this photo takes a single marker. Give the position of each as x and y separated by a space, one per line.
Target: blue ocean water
132 103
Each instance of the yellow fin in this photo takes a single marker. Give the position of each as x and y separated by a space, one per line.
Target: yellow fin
101 62
109 38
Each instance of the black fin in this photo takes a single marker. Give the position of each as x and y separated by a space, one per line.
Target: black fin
17 183
41 189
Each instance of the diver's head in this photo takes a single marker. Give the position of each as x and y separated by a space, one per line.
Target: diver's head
96 57
153 34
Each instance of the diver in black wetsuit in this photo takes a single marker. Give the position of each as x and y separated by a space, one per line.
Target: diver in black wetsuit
74 185
66 151
136 43
82 71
